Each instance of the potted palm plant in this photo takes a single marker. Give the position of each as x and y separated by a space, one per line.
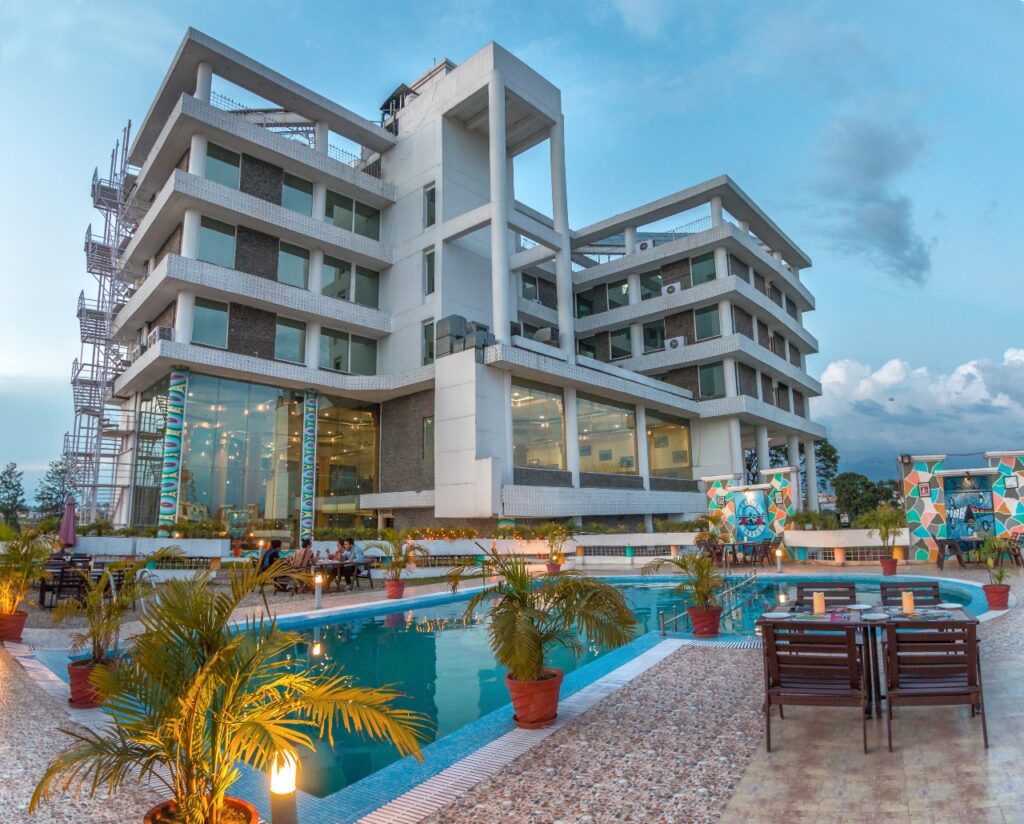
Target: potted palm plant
997 592
102 604
556 535
197 696
530 616
886 521
22 561
701 583
400 553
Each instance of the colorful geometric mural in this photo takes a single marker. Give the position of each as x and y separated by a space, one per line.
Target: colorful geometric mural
752 524
968 506
308 481
720 499
1007 493
780 499
170 474
925 503
758 512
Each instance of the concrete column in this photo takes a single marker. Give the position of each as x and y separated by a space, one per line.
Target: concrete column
725 317
572 436
498 156
316 270
184 310
197 155
777 254
320 136
745 225
643 457
319 200
735 447
793 457
796 271
563 257
204 81
313 344
190 233
721 263
729 374
812 476
636 330
764 459
716 211
630 239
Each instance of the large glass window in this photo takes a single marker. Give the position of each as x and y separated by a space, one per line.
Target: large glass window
621 344
343 352
427 349
538 426
618 294
337 278
650 285
346 459
711 379
530 289
429 205
668 446
654 335
428 438
364 356
297 194
290 340
428 272
367 287
367 221
293 265
339 210
702 269
607 436
222 166
210 323
585 304
217 242
586 347
705 323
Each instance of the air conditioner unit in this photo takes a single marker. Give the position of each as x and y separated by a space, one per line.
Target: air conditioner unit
547 334
678 342
644 245
671 288
160 333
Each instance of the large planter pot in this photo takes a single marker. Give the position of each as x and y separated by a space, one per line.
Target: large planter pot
536 702
553 568
84 695
165 813
11 625
395 589
705 621
888 565
997 595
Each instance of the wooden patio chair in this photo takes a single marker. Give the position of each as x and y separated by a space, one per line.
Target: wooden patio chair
926 593
67 584
837 593
933 663
713 549
817 666
947 547
1013 548
764 552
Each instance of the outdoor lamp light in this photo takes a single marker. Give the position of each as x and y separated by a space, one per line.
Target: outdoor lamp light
283 809
782 597
316 649
778 560
318 590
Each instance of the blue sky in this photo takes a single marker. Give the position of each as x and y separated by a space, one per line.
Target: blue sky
883 137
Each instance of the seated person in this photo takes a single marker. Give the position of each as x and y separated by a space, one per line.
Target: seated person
347 554
303 559
271 555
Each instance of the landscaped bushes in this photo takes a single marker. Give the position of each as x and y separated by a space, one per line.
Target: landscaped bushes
806 519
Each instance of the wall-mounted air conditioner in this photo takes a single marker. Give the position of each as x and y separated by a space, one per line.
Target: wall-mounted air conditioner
671 288
644 245
159 333
678 342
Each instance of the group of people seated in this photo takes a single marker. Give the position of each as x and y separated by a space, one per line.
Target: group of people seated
347 555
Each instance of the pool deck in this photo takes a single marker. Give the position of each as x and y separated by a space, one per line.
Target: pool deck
682 741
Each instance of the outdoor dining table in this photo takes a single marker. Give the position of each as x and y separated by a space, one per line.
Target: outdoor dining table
334 567
748 548
846 616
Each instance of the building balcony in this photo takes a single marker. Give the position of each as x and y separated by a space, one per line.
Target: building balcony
753 411
565 502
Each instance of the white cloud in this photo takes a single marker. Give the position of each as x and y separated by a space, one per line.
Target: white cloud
645 18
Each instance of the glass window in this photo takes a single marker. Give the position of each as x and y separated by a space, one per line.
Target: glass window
222 166
337 279
585 304
538 426
346 457
427 349
586 348
706 323
217 242
621 343
654 335
428 438
210 323
297 194
428 272
367 288
650 285
668 446
618 294
367 221
712 381
607 436
339 210
290 341
364 356
429 205
702 269
293 265
530 289
334 350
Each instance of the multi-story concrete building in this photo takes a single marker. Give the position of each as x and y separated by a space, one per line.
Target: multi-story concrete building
305 335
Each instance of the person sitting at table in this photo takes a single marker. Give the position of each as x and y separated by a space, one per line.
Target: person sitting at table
349 557
303 559
271 555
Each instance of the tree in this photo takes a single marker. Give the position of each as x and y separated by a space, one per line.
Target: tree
12 494
857 494
54 488
826 462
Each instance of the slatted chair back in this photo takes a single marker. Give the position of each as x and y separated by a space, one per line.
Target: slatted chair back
926 593
712 548
69 583
837 593
931 656
813 660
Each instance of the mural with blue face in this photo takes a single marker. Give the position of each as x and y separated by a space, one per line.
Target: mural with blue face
752 516
968 506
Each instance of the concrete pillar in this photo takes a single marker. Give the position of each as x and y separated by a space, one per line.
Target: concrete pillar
643 458
729 374
793 458
184 311
812 476
745 225
204 81
197 155
190 227
563 257
716 211
498 156
319 200
725 326
764 459
796 271
777 254
316 270
629 237
735 447
320 136
721 263
572 436
313 344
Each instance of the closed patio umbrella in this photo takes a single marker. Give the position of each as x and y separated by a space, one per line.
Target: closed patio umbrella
68 532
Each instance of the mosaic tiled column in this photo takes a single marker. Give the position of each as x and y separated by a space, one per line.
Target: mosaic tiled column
925 504
1008 494
780 499
720 499
170 474
308 496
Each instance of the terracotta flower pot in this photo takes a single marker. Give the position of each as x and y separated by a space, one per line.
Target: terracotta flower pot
705 621
163 813
998 595
11 625
395 589
888 565
553 568
536 702
84 696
